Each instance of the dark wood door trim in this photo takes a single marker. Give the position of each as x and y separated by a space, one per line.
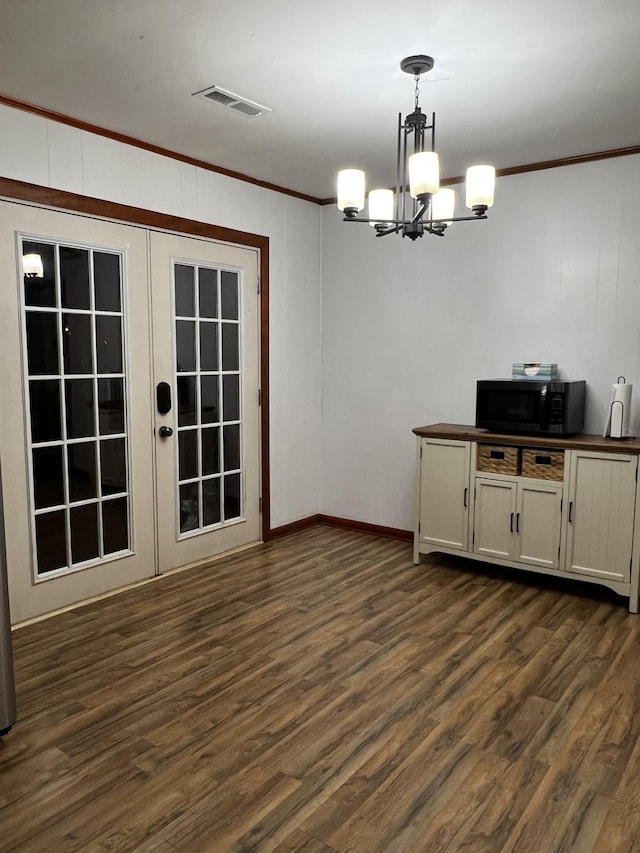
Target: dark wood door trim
12 190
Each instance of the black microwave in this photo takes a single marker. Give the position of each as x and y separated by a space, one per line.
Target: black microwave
531 406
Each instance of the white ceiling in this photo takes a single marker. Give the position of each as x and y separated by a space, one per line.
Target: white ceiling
515 81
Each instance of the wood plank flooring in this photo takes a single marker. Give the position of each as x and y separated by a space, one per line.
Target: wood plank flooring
322 694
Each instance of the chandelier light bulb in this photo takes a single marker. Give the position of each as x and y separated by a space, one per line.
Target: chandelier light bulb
443 204
424 173
481 182
351 190
381 204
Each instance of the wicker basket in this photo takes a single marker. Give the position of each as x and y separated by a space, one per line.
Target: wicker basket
498 459
543 464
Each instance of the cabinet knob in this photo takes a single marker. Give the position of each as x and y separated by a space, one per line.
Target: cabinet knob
165 432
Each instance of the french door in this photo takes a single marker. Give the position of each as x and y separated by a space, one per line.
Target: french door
208 442
129 438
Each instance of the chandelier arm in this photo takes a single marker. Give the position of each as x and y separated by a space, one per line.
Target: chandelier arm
382 232
401 222
417 217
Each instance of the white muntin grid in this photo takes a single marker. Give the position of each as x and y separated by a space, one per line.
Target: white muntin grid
96 441
221 424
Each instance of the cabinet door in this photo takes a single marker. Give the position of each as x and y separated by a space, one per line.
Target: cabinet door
600 517
494 519
538 515
444 493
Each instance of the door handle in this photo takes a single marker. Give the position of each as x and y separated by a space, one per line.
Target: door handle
165 432
465 498
512 514
570 512
518 522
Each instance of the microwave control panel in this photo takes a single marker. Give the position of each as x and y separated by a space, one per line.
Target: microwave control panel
556 408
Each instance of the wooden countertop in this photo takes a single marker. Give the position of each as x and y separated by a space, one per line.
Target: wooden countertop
582 441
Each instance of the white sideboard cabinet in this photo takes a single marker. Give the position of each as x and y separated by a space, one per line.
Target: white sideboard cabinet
569 507
518 521
443 473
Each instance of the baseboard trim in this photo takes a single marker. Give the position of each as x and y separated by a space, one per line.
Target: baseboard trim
365 527
293 527
345 523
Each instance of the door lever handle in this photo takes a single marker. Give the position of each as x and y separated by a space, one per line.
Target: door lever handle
165 432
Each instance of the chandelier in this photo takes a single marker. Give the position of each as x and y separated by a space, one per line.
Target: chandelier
418 205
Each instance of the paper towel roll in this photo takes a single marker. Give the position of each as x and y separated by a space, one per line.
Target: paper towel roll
619 420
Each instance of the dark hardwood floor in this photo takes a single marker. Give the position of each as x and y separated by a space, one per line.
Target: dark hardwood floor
320 694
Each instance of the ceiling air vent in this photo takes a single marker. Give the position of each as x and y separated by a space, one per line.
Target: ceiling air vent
234 102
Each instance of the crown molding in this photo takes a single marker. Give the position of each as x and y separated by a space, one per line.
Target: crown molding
239 176
148 146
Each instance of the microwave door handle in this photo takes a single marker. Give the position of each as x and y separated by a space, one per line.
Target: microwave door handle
543 411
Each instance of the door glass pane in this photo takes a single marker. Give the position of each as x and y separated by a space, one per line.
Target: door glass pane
48 477
44 400
189 507
209 351
185 291
109 343
71 473
210 413
40 287
186 346
230 347
187 403
51 541
113 466
208 292
231 441
79 408
232 507
208 346
115 525
111 406
74 277
106 281
231 398
211 451
76 343
84 533
229 295
211 502
42 342
82 471
188 454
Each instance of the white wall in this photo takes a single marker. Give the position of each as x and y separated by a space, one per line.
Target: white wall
44 152
408 328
